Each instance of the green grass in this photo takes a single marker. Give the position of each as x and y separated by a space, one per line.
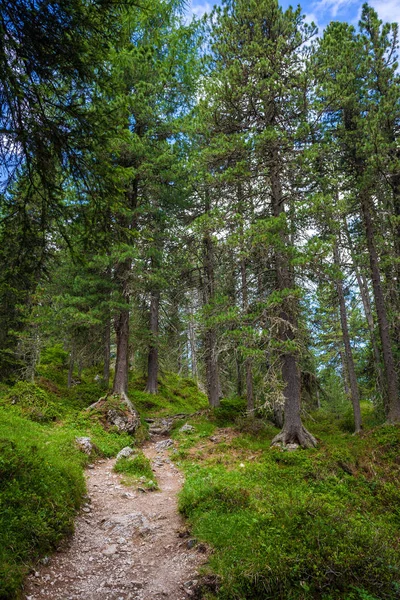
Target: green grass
175 395
137 470
315 524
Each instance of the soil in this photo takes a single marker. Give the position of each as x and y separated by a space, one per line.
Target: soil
128 544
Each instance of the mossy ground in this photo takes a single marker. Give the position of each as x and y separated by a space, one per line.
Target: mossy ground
314 524
309 524
41 470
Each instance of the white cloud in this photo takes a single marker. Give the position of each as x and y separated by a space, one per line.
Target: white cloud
331 7
199 8
388 10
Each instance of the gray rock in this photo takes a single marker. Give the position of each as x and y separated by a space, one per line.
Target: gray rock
110 550
84 444
186 428
127 422
125 452
164 444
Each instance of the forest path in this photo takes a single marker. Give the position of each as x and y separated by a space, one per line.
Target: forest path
126 544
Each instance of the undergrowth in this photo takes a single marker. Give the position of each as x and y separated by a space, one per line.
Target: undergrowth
314 524
41 469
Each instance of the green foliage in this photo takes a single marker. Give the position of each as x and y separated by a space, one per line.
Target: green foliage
175 395
41 487
299 525
33 402
54 355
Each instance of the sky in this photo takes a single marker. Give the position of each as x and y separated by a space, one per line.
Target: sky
324 11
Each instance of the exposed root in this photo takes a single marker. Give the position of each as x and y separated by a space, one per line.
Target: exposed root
299 437
125 417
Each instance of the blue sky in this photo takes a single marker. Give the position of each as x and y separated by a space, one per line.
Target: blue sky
324 11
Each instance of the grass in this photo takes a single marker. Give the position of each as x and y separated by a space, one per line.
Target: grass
306 525
322 523
41 470
137 470
175 395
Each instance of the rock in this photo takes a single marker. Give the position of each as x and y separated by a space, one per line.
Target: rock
128 421
86 509
186 428
125 452
291 447
164 444
191 543
85 445
110 550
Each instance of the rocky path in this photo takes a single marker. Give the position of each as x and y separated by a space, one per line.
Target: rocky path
128 545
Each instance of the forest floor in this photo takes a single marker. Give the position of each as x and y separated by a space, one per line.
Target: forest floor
129 544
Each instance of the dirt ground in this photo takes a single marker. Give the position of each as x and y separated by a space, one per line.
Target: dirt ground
127 545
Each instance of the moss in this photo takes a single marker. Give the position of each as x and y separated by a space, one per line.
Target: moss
175 395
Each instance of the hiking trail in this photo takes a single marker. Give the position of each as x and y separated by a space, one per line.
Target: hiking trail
127 545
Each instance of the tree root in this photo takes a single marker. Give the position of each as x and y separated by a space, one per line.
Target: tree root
295 437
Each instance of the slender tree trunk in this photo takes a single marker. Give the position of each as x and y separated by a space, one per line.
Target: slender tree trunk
248 362
364 293
344 371
354 392
293 430
211 353
107 353
121 322
192 345
239 377
152 362
71 365
121 325
393 400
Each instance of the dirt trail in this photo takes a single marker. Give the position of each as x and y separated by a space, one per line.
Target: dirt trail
126 544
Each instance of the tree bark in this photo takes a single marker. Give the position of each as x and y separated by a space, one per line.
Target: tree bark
364 293
393 400
107 352
354 391
248 362
121 322
211 353
192 345
71 365
293 431
152 361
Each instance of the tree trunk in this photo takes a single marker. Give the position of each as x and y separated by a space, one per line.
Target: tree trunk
152 362
71 366
211 353
192 345
122 275
293 431
107 352
354 392
393 400
239 378
248 362
344 370
121 325
364 293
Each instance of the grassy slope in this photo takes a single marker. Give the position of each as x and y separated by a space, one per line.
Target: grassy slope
41 471
321 523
